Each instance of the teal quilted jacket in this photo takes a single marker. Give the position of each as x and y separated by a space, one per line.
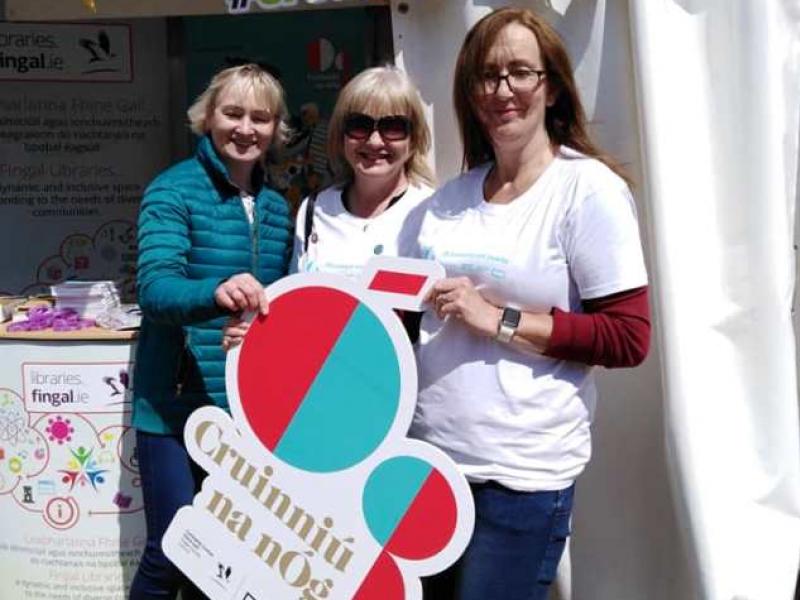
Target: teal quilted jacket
194 234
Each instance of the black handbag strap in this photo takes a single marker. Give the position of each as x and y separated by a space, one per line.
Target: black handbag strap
309 220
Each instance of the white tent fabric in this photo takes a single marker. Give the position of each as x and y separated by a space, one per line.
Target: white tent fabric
719 87
694 489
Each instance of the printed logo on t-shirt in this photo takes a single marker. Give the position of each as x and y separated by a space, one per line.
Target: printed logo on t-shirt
470 263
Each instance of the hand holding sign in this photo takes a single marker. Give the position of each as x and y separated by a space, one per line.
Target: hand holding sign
319 494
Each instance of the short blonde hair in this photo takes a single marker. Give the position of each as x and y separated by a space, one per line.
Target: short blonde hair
244 78
381 91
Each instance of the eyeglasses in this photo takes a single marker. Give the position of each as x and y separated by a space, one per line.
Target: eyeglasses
518 80
394 128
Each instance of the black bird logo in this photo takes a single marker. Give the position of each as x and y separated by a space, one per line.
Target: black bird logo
111 381
124 380
100 49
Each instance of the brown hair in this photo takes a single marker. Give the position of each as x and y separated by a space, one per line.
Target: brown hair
565 119
381 91
244 78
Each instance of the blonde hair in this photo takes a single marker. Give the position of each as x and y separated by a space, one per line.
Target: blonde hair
242 78
381 91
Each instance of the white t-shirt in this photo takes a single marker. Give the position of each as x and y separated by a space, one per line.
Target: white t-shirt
342 243
503 414
248 203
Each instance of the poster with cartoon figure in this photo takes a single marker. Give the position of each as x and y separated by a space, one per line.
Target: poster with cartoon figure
70 495
313 489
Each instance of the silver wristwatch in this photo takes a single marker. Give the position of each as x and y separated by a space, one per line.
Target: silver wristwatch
507 326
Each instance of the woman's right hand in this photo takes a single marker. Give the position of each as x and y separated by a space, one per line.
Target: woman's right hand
240 293
233 333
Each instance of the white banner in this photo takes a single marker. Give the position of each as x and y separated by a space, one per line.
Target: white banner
70 494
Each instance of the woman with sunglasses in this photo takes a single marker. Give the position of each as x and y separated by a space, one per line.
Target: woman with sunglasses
545 278
377 142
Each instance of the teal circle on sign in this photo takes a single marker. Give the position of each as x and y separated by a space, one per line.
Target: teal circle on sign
319 379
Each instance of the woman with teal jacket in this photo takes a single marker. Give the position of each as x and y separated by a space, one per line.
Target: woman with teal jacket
211 235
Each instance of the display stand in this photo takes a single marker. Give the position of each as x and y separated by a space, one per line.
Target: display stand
73 523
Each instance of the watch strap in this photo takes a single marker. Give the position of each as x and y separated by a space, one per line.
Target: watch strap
507 326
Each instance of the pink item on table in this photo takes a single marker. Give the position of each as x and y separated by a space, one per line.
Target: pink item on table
42 317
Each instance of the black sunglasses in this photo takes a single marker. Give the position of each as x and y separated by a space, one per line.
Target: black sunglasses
392 129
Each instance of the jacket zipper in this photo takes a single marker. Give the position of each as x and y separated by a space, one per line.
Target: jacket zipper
182 368
254 239
253 227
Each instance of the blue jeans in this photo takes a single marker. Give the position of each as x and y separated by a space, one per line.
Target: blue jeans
169 480
514 551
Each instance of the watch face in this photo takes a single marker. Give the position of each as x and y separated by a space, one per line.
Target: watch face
511 317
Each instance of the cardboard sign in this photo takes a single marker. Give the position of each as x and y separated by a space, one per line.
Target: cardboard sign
313 489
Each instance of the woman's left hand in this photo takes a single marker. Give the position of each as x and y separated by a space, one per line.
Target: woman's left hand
234 331
458 297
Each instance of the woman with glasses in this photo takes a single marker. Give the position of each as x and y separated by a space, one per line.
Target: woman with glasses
545 279
210 235
377 142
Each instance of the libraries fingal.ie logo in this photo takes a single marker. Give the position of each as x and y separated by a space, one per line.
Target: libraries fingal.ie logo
25 51
65 52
